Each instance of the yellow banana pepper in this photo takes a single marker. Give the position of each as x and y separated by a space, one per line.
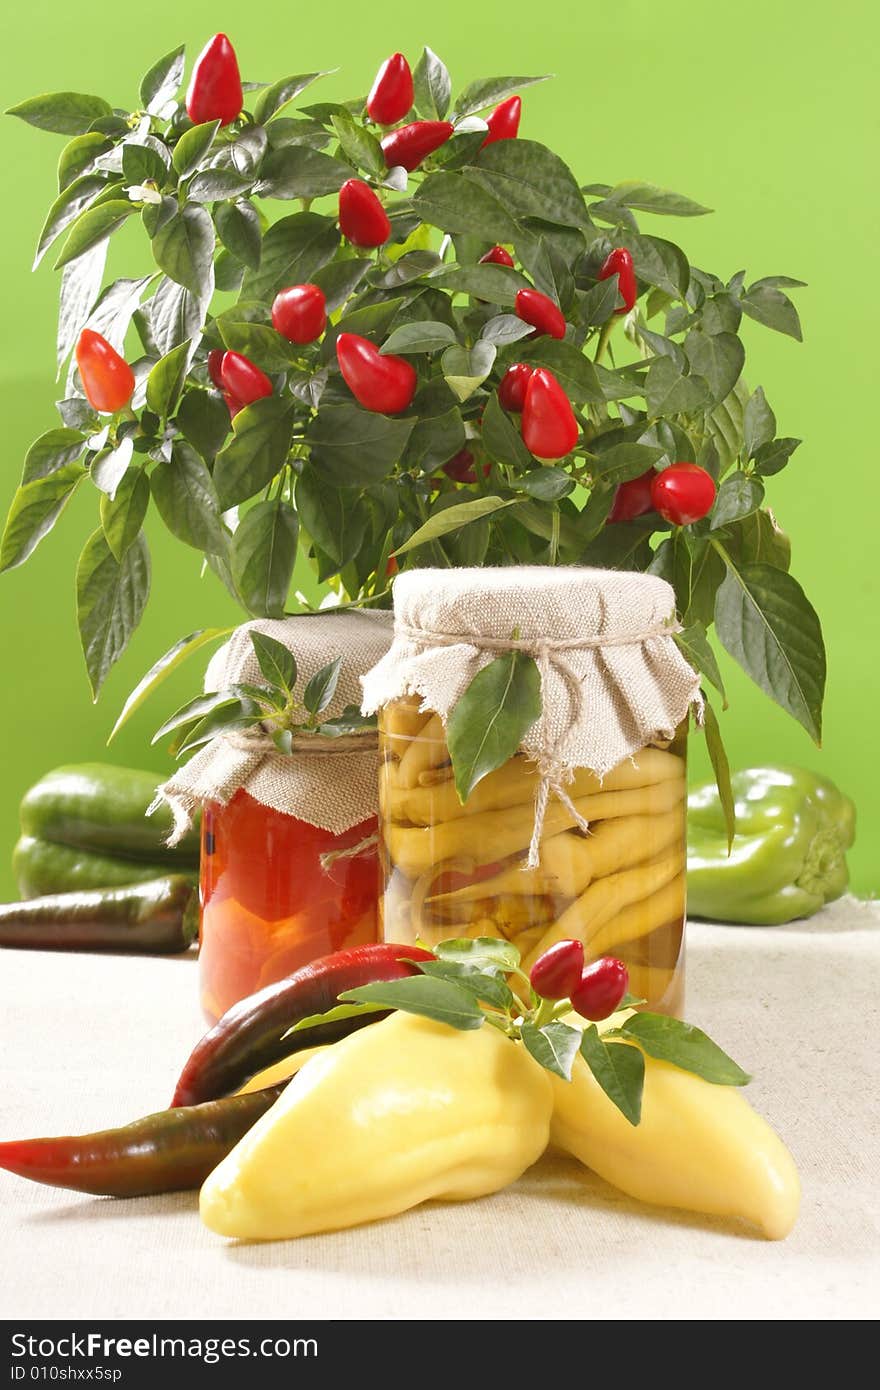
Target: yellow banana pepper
402 1112
699 1146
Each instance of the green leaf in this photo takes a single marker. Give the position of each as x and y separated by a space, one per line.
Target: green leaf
455 203
441 1000
256 451
296 171
496 283
554 1046
142 163
772 457
489 954
501 438
694 646
738 496
334 1015
687 1047
80 287
531 181
339 280
166 380
184 248
623 462
336 526
721 768
452 519
110 598
321 688
35 508
505 329
184 493
263 554
122 516
488 91
768 626
194 710
427 335
597 304
758 537
432 86
489 721
489 989
354 447
111 465
359 145
66 208
464 369
547 484
619 1070
759 422
203 419
79 157
350 721
439 430
174 315
668 392
258 342
236 714
718 358
238 227
647 197
277 663
620 547
192 147
94 226
54 450
211 185
274 98
293 249
162 82
574 372
770 306
163 668
63 113
660 263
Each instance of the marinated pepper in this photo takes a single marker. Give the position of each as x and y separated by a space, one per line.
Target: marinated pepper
788 859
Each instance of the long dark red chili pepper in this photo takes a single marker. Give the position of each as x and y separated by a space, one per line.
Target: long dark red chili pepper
250 1035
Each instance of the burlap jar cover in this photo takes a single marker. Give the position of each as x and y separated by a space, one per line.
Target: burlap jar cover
612 677
329 782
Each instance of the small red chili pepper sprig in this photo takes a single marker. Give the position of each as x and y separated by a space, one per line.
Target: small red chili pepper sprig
470 982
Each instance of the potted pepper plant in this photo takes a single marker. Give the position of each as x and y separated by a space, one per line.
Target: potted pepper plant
394 332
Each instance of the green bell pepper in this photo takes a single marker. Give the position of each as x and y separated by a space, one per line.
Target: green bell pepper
788 859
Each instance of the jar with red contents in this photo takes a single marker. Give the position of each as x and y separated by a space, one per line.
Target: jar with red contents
289 863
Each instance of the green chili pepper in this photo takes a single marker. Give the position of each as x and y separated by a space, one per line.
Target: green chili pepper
158 916
793 829
41 867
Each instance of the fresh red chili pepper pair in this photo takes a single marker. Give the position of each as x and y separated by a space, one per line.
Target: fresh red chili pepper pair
595 991
682 494
385 384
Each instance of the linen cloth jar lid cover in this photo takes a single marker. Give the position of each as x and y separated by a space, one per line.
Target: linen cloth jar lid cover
612 677
329 782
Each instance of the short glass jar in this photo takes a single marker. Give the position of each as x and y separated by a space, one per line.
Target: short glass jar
276 893
454 870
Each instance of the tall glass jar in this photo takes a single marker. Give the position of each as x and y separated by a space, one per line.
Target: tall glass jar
458 870
276 893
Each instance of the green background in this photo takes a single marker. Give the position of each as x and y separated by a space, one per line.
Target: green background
761 112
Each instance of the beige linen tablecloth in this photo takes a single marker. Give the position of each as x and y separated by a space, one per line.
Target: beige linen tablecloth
91 1041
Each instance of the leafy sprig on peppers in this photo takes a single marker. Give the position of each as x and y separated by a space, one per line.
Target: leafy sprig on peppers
492 363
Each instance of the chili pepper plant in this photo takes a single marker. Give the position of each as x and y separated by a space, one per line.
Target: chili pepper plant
398 331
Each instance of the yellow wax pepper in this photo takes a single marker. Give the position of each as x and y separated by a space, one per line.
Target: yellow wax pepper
698 1146
399 1113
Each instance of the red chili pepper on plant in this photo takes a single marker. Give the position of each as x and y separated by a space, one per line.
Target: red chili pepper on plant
107 379
683 493
619 262
391 95
633 498
235 407
362 218
512 390
243 379
215 92
549 428
251 1035
539 310
497 256
384 384
215 362
410 144
461 468
600 989
557 973
299 313
504 121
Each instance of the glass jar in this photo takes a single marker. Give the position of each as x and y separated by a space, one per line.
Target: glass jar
276 893
454 870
